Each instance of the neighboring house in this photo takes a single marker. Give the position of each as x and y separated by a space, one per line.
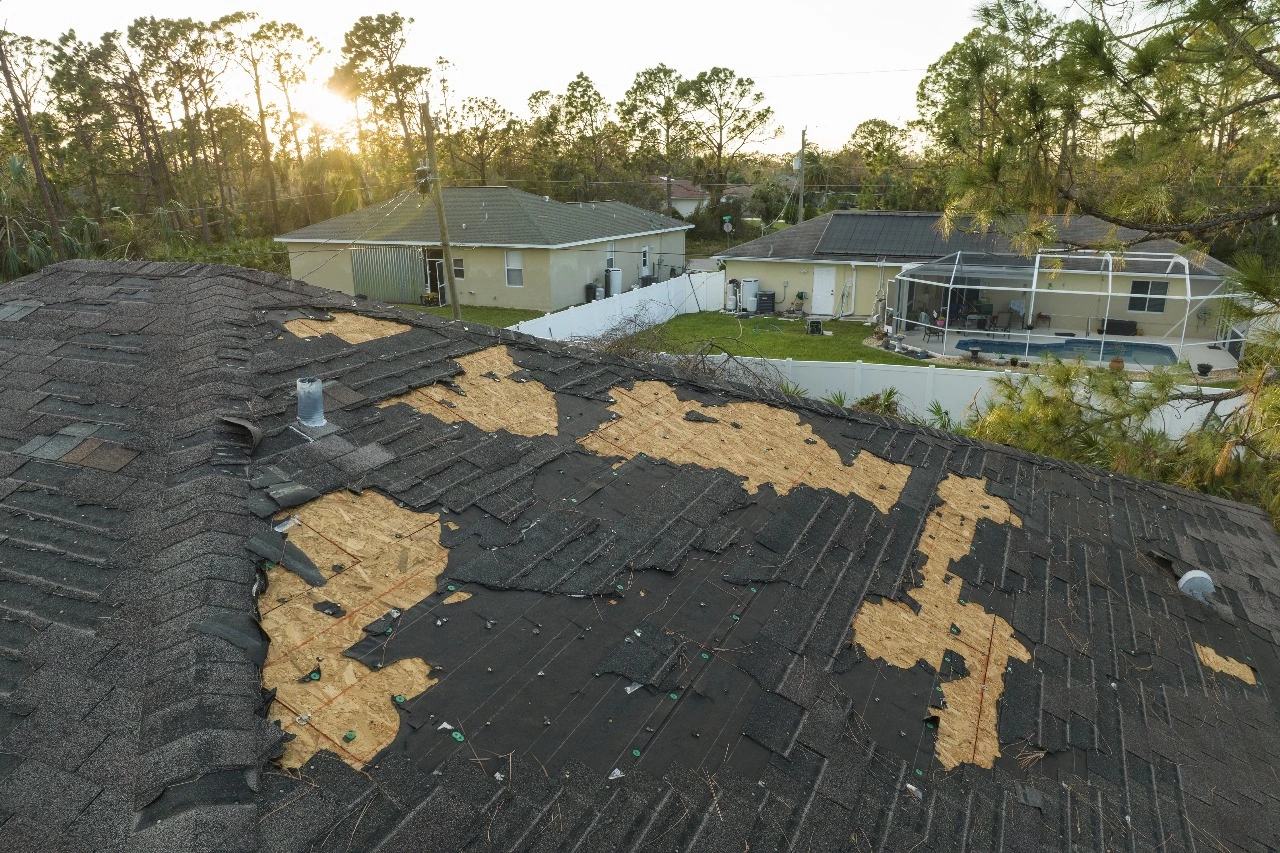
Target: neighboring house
846 262
518 596
510 248
736 192
687 198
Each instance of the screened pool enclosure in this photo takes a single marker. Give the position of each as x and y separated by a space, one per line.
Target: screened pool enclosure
1146 308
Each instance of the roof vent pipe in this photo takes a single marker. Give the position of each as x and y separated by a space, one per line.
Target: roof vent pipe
1196 584
311 402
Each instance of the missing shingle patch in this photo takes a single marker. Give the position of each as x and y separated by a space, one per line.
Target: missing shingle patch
352 328
773 447
390 558
893 632
486 395
1224 664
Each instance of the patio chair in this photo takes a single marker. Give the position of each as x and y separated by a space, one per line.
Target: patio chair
1000 325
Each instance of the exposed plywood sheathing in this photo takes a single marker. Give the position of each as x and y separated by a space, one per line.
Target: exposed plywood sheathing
1222 663
389 558
352 328
893 632
491 399
755 441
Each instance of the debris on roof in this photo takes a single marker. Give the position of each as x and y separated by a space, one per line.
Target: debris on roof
352 328
1224 664
947 624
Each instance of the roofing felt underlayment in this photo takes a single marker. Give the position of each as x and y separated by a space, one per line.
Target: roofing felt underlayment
516 596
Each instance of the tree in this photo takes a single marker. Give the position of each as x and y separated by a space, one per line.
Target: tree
655 114
1161 120
484 132
290 53
729 115
371 52
20 108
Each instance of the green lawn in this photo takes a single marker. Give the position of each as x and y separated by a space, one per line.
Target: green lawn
771 337
499 317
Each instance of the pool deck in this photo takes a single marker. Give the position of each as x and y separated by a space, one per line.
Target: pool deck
1195 351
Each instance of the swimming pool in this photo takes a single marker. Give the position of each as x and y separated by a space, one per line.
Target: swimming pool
1147 355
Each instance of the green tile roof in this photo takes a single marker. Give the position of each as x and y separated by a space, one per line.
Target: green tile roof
487 216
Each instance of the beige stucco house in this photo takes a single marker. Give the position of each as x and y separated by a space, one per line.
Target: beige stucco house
510 249
945 289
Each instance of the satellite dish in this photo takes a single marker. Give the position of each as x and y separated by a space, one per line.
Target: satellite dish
728 228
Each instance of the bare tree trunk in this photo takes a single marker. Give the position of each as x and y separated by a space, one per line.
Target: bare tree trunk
273 205
33 151
195 165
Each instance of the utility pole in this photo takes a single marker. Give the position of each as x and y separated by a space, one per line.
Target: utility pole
432 179
33 150
800 215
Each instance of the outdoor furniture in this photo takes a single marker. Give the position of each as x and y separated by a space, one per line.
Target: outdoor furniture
1118 327
1001 323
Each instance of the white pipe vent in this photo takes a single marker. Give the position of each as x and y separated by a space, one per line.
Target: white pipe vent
1196 584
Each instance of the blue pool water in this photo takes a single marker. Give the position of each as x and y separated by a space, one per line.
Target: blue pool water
1147 355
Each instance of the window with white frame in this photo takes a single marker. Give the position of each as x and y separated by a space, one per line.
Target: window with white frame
610 257
458 269
515 269
1148 296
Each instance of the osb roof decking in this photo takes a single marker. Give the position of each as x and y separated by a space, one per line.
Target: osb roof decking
527 598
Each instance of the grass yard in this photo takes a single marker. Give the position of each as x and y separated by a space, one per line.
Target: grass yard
770 337
499 317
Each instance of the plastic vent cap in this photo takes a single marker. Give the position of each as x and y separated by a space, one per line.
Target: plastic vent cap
1196 584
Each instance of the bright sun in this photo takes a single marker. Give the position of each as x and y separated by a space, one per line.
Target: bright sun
323 107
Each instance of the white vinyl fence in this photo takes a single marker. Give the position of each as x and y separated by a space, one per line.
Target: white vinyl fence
646 306
956 390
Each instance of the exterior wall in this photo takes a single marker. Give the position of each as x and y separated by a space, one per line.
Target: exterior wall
322 265
797 276
484 280
686 206
553 278
575 267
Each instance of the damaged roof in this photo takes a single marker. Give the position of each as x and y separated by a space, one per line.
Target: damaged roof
518 596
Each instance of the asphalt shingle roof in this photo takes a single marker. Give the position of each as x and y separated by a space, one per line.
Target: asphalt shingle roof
487 216
863 235
627 650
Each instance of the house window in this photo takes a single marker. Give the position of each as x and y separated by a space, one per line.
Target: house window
458 271
610 257
515 269
1148 296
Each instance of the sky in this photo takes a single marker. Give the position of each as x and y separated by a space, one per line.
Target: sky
826 66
